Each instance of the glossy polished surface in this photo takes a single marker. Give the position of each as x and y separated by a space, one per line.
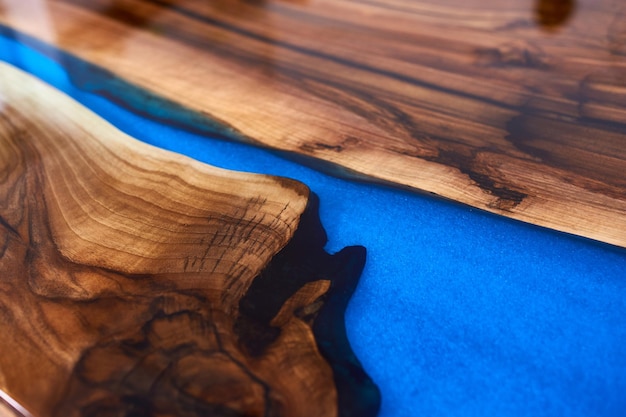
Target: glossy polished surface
136 281
458 312
514 107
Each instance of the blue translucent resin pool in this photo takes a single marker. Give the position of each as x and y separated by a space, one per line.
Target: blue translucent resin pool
458 312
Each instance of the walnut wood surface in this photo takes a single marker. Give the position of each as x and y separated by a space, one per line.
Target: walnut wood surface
139 282
516 107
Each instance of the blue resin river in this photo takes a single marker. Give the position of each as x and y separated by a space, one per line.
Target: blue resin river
458 312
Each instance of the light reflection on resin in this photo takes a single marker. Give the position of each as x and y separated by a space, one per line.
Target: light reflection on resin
458 312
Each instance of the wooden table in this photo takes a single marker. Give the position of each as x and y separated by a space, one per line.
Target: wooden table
517 108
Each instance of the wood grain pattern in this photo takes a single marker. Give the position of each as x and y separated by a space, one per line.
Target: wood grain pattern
140 282
518 108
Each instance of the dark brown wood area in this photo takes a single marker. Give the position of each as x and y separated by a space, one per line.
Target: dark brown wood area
516 107
137 282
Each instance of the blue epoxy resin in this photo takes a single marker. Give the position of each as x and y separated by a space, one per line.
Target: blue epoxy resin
458 312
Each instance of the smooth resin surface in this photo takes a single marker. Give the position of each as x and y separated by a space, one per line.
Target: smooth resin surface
458 312
514 107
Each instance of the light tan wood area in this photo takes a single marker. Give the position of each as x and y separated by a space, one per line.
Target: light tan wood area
135 281
515 107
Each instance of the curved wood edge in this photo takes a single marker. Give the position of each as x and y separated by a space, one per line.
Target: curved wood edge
140 281
488 110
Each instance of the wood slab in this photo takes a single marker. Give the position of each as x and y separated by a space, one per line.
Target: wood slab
516 107
135 281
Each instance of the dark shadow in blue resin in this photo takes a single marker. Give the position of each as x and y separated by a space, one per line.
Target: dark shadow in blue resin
302 260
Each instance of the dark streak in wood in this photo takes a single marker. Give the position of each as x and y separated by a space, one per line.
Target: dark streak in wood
473 101
550 14
137 282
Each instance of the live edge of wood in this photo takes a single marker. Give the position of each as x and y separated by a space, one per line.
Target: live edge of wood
518 108
139 282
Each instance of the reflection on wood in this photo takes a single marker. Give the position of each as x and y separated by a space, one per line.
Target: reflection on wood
140 282
10 408
515 107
